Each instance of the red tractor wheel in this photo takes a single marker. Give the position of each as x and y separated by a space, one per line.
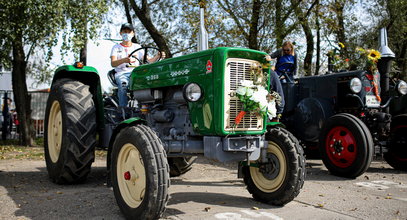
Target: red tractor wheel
397 154
346 146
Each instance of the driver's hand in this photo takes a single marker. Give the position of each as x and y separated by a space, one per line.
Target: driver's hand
267 57
132 59
162 55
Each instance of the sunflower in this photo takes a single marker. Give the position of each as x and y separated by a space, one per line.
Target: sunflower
373 55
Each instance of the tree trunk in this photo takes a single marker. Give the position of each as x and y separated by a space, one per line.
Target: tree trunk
279 29
254 25
127 10
143 14
83 52
340 30
310 48
302 18
318 27
21 97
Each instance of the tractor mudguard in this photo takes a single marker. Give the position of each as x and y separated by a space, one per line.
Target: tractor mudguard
123 124
273 124
89 76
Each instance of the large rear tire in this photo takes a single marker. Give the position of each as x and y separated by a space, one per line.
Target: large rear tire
70 132
397 152
346 146
278 181
180 165
140 173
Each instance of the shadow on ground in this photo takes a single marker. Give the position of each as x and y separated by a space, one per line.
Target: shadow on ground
36 197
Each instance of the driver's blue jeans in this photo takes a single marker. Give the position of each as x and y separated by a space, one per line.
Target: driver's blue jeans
122 80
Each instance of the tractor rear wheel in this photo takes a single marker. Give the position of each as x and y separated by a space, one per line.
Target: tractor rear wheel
346 146
397 152
70 132
279 180
180 165
139 173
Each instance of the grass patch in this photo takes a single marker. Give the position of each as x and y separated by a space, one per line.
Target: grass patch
9 150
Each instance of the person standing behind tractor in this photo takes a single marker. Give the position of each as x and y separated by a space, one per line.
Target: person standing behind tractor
286 65
275 85
124 64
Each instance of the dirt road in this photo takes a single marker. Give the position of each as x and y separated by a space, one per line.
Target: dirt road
208 191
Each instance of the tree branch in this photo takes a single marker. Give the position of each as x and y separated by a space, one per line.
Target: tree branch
153 2
234 17
287 15
29 52
127 10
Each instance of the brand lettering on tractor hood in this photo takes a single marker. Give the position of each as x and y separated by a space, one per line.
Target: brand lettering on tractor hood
180 73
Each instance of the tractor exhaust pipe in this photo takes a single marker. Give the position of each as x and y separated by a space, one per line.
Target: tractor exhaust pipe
202 35
384 65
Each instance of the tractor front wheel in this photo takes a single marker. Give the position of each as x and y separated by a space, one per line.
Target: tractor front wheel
397 152
70 132
278 180
140 173
346 146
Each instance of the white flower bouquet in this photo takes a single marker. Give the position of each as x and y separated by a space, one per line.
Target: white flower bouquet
256 98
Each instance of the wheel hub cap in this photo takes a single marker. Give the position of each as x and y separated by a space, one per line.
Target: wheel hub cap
341 147
131 175
269 178
271 169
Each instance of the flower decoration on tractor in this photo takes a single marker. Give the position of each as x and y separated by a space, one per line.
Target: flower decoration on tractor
336 60
255 97
368 59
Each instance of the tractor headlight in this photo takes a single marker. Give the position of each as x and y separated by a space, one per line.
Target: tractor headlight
402 87
355 85
192 92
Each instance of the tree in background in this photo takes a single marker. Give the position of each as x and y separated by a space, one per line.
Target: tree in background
33 25
396 24
302 13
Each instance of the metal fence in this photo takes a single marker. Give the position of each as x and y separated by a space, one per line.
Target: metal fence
38 105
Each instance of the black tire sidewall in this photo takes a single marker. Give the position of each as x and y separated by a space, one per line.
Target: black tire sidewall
56 169
75 159
364 144
180 165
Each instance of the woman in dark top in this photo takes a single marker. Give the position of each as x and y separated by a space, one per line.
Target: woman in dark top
286 62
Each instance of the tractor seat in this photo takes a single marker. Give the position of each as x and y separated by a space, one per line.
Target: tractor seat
112 79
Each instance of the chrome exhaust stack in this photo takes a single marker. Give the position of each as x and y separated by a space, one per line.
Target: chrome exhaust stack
203 34
384 64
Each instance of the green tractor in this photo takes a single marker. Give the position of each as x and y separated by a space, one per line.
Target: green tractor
180 108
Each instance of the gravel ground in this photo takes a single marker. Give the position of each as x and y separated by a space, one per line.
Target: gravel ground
209 191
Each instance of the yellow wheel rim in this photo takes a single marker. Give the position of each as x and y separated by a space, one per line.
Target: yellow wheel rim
55 131
264 183
131 176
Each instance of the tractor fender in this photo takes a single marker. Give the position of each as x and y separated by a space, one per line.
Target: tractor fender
309 117
271 124
89 76
126 123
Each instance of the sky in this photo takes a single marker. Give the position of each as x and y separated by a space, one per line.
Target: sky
99 57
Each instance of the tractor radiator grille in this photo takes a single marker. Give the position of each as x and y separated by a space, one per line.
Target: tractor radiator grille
237 70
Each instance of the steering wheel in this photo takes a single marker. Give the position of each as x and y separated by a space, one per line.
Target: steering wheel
146 50
285 69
